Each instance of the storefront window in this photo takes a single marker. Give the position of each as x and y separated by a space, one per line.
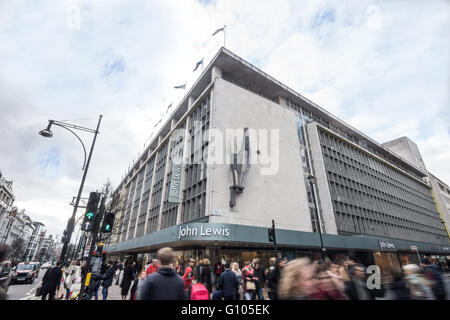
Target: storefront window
388 262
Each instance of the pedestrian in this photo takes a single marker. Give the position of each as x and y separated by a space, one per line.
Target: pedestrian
165 284
121 266
260 278
153 267
326 288
268 275
218 269
107 279
51 281
273 278
228 283
135 268
397 288
334 273
137 285
94 285
419 286
206 275
238 273
249 286
188 275
196 268
356 287
432 273
127 279
83 270
69 278
297 281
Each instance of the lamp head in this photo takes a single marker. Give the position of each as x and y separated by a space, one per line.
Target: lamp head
47 133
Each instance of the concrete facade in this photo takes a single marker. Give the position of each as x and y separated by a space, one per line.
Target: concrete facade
407 149
265 195
360 188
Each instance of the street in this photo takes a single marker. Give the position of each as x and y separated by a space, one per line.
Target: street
22 291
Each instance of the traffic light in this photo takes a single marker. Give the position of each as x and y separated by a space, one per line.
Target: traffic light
271 233
91 211
108 223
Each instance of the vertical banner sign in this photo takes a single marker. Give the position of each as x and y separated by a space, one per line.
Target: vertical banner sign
175 181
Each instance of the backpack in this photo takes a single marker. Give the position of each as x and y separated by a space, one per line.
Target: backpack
199 292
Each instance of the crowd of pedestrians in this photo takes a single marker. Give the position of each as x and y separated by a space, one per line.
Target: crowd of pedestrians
298 279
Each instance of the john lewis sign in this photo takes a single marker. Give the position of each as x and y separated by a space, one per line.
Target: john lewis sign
203 231
386 245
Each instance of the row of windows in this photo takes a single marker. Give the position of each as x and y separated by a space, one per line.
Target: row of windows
155 204
380 200
136 202
357 158
312 117
301 122
145 198
368 183
151 184
5 197
170 209
194 193
353 224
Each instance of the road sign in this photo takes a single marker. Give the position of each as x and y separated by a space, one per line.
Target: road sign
413 248
87 226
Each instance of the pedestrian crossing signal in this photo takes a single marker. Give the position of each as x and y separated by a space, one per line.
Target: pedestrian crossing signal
108 223
91 210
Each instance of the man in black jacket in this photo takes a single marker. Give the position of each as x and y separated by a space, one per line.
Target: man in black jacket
51 281
165 284
107 279
229 283
260 274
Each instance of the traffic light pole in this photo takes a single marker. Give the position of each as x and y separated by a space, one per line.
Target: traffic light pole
275 239
71 222
93 244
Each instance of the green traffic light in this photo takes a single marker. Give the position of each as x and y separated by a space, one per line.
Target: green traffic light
107 227
89 215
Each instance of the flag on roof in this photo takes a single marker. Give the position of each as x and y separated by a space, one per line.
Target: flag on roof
183 86
198 64
218 30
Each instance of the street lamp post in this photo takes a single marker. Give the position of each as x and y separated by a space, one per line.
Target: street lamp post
48 134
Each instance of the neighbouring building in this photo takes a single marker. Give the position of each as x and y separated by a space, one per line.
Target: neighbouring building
33 244
193 190
6 203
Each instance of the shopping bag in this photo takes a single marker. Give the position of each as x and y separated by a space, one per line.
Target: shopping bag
39 292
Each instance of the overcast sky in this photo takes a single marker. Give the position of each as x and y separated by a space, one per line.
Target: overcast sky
381 66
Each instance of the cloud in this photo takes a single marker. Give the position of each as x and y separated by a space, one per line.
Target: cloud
381 66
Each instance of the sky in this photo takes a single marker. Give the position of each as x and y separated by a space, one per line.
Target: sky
381 66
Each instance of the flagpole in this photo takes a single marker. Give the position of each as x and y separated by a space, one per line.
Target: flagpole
224 34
